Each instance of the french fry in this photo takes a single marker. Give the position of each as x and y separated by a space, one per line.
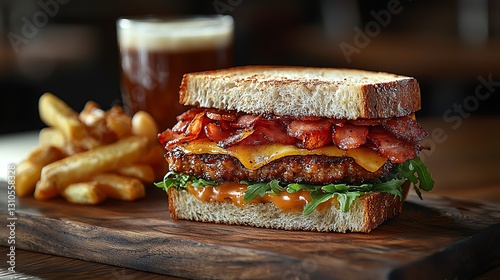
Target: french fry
106 126
50 136
119 122
27 175
54 112
95 120
88 113
79 167
143 172
104 154
43 155
143 124
120 187
86 193
155 159
28 171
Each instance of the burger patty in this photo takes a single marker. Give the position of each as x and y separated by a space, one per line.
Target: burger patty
312 169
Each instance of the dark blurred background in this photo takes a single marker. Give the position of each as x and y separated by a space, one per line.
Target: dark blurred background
68 47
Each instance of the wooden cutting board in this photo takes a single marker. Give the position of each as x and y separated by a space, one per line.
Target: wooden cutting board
435 238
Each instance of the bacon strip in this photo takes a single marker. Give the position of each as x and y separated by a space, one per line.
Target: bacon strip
189 114
368 122
226 138
274 132
396 139
170 139
387 145
221 115
406 128
216 133
166 136
349 136
246 121
313 134
235 138
266 131
191 132
195 126
180 126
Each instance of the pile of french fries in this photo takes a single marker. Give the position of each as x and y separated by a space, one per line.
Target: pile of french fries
90 156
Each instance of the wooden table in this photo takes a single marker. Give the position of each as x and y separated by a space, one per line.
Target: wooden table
463 161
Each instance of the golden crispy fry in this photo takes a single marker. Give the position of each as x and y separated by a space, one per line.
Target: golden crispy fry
108 154
54 112
87 193
50 136
143 172
144 124
119 122
80 167
106 126
88 112
120 187
155 159
96 121
28 171
43 155
27 175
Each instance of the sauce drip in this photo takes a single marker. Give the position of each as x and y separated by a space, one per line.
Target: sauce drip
234 192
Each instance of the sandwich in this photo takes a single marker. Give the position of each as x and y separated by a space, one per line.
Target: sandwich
294 148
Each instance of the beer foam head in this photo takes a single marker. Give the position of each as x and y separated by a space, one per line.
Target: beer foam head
175 34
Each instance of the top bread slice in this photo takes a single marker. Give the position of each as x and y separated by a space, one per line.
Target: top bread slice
302 91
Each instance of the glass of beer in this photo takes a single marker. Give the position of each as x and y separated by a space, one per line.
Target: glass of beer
156 52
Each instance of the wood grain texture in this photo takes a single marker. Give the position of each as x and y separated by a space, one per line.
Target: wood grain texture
437 237
38 266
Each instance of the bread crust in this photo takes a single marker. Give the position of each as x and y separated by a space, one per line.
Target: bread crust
303 91
366 213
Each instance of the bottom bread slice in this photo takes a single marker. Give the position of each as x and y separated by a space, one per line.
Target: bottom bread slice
366 213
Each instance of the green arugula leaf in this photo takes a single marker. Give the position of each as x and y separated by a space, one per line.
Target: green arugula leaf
422 180
276 187
180 181
261 189
392 186
407 171
346 199
294 187
346 188
331 188
198 183
424 176
255 189
317 199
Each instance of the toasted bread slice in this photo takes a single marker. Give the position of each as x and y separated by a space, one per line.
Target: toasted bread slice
366 213
303 91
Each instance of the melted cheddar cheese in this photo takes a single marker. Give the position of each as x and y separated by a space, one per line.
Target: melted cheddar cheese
254 157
